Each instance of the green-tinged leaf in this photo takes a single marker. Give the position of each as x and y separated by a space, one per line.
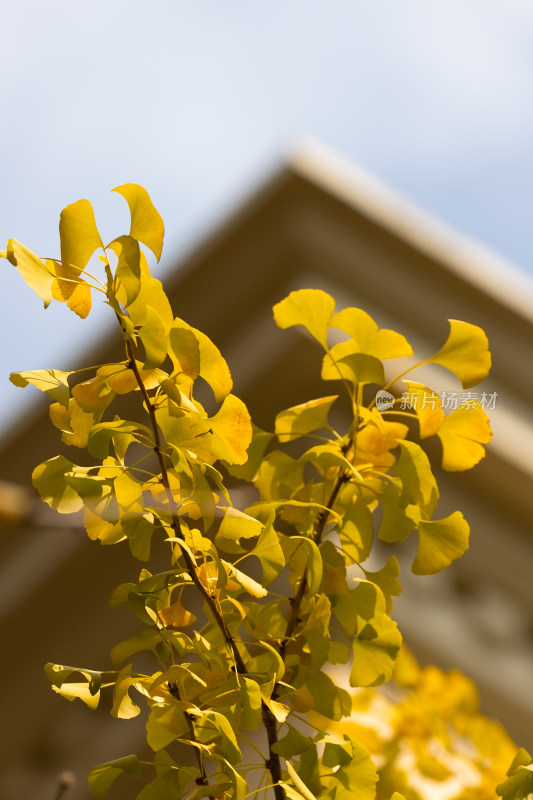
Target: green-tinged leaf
128 270
232 431
79 234
154 338
313 569
123 706
465 353
397 521
463 434
164 787
49 480
304 418
356 533
367 338
32 269
311 308
250 693
330 700
440 542
139 530
359 368
228 747
102 434
419 486
88 690
238 525
269 552
164 725
102 777
146 639
376 639
356 776
146 223
52 382
213 367
298 783
519 783
279 476
292 744
387 580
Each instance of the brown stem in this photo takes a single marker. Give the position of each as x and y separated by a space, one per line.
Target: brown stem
273 763
175 521
202 779
296 601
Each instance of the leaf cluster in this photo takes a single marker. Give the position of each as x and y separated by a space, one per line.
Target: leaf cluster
261 608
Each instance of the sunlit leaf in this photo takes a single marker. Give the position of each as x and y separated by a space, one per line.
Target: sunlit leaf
146 223
356 775
154 338
49 480
52 382
32 269
427 407
367 338
359 368
213 367
79 234
356 533
248 584
387 580
232 431
465 353
419 486
151 295
298 783
236 525
304 418
440 542
123 706
311 308
70 288
128 270
269 552
463 434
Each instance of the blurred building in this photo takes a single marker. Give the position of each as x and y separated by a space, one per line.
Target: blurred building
324 224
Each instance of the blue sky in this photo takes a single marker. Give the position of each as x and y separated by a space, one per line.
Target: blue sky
198 100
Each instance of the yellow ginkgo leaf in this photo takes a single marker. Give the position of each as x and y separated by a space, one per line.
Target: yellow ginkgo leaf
304 418
232 431
367 338
146 223
69 288
311 308
463 434
373 444
53 382
427 406
176 615
465 353
32 269
212 366
79 234
440 542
